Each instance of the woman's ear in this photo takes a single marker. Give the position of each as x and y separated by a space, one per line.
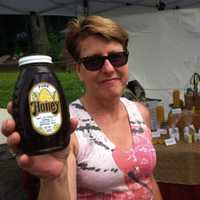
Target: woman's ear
78 69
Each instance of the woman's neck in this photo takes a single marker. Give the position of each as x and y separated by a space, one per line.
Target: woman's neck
101 106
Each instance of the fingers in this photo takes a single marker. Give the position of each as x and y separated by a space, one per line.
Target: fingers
73 124
13 143
10 107
13 140
24 161
8 126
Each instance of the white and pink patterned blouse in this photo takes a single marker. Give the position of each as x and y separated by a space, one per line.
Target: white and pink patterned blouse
106 172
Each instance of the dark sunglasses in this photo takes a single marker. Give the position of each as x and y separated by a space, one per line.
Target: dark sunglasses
96 62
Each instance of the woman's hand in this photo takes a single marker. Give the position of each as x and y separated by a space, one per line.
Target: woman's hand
46 166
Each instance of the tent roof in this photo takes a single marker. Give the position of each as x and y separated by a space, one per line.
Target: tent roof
76 7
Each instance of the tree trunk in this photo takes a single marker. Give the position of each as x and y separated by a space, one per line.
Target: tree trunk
39 34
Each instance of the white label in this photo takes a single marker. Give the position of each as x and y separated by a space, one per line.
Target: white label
162 131
196 137
188 137
170 141
176 111
174 133
45 109
173 130
155 134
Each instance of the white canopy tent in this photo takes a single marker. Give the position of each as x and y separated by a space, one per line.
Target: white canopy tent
164 49
77 7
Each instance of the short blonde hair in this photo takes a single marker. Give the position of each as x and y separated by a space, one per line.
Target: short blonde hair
93 26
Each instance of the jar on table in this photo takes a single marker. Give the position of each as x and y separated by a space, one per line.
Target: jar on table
160 113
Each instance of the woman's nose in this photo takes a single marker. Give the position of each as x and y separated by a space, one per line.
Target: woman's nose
107 66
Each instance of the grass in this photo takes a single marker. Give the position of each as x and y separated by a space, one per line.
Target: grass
7 81
72 86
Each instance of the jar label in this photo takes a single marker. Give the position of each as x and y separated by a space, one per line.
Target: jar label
45 109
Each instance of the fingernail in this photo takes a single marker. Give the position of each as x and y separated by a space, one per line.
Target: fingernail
4 125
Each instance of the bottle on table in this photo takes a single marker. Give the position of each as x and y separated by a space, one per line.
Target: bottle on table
189 134
173 121
160 114
176 98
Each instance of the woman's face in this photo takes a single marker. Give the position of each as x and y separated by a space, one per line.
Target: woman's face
108 81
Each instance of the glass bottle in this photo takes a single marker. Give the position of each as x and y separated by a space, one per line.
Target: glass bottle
160 113
39 107
176 98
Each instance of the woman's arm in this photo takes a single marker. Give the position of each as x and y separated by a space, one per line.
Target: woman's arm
56 170
147 120
145 114
63 187
156 190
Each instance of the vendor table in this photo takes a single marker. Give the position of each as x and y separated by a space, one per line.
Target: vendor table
178 171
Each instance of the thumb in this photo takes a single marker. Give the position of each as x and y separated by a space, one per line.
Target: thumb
73 124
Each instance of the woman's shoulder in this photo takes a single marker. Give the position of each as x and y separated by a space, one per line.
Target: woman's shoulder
142 108
139 109
76 108
76 104
137 106
144 111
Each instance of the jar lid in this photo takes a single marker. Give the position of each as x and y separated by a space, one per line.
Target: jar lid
34 59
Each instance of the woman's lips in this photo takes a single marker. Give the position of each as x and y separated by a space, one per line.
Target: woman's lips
108 83
109 80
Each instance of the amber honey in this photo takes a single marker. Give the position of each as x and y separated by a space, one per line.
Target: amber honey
176 98
160 113
40 108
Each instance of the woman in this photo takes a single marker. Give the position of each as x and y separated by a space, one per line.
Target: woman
110 155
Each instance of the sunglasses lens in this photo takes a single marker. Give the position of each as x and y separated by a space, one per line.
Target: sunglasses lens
93 63
118 59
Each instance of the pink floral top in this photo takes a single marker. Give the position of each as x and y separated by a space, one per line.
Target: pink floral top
105 172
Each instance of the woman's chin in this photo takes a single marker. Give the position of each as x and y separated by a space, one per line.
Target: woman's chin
111 94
